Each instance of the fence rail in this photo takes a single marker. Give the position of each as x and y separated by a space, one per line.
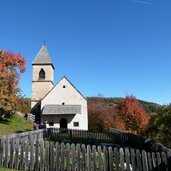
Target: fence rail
50 156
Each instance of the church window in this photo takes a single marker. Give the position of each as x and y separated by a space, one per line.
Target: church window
42 74
64 86
76 124
51 123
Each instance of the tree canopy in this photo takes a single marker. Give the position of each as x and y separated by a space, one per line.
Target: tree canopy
159 127
133 115
11 67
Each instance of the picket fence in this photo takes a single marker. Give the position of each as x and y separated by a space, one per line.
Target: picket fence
49 156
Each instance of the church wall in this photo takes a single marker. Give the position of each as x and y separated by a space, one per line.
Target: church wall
69 96
40 89
70 119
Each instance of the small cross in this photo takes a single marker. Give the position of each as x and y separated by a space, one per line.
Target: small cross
44 42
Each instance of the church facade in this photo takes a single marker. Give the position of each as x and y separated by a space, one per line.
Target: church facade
61 105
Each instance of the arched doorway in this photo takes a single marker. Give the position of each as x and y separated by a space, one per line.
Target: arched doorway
63 123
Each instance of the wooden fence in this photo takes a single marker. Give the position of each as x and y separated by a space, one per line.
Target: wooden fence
30 135
50 156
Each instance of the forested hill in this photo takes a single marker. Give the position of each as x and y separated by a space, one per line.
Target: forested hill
150 107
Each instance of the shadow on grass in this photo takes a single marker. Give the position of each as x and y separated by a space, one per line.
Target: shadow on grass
25 130
4 120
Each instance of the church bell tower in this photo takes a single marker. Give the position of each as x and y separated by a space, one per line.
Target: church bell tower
43 75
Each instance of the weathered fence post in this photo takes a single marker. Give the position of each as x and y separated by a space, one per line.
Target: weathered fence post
89 158
32 152
133 159
46 156
83 157
94 157
51 152
127 155
6 152
116 158
121 159
110 159
57 156
1 151
138 157
16 153
78 156
67 157
105 153
99 158
62 157
21 165
73 157
27 156
144 161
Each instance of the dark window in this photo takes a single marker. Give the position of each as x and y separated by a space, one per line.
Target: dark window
76 123
42 74
63 103
64 86
51 123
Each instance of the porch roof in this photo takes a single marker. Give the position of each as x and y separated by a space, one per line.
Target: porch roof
61 109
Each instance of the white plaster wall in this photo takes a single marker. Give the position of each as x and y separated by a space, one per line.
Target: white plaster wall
70 119
33 103
70 96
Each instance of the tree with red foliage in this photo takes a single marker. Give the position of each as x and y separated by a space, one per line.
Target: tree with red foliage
133 115
11 66
100 115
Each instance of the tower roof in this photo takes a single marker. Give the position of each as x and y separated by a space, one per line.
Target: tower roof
42 57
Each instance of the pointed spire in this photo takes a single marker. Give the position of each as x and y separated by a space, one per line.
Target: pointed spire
42 56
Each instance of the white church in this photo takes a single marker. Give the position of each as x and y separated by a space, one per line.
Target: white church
61 105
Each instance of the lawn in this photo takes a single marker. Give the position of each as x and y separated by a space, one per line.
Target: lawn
16 124
4 169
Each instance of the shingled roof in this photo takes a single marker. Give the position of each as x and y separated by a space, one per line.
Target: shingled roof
42 57
61 109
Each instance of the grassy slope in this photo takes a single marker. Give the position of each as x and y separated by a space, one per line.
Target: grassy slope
15 125
4 169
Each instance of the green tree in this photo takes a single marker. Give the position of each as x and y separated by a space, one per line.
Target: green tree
159 127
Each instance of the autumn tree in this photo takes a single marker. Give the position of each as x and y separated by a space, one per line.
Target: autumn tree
11 66
23 105
132 114
100 115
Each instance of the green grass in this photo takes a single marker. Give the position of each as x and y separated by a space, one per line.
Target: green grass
4 169
16 124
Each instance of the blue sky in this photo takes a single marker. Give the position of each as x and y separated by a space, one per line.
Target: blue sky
109 47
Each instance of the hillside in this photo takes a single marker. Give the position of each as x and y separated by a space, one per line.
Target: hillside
150 107
15 125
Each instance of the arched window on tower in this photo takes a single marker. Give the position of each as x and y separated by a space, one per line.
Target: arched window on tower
42 74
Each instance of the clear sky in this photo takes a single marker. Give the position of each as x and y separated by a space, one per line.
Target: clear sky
112 47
